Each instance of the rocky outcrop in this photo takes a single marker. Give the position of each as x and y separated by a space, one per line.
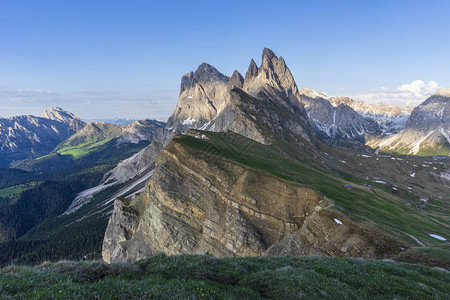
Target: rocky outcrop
205 74
433 113
197 202
203 94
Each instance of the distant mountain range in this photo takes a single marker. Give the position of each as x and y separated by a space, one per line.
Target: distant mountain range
25 137
116 121
29 136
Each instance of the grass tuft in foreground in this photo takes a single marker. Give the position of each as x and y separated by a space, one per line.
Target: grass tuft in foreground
206 277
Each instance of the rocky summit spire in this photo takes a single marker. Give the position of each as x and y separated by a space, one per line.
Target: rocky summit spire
236 81
205 73
60 115
252 70
273 77
267 57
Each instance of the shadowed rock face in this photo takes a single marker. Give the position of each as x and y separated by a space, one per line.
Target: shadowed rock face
201 203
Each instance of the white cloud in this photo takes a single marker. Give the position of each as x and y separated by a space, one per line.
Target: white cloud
419 88
409 94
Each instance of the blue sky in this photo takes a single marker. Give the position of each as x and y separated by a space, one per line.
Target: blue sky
104 59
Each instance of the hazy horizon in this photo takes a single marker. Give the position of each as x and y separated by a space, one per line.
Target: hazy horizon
125 60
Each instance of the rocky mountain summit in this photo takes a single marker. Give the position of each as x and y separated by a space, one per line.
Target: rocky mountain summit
433 113
216 103
59 114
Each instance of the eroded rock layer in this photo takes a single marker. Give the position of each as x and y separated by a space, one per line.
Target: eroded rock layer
197 202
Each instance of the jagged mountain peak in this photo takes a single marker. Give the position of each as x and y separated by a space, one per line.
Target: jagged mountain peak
252 70
269 54
207 73
204 73
55 108
273 77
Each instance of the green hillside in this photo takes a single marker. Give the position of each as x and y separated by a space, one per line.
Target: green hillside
205 277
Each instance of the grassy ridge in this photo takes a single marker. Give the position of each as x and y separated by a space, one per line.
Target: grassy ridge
205 277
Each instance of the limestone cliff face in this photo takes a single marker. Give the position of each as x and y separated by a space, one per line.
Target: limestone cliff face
197 202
